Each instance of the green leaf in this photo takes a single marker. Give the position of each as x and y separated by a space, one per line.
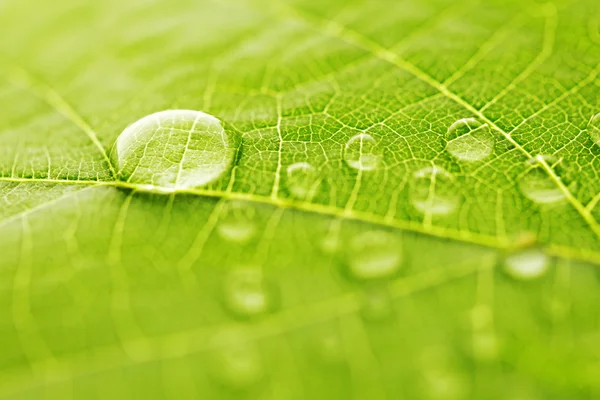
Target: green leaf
411 212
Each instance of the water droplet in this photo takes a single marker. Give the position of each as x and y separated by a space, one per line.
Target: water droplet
247 293
433 191
174 150
302 180
594 129
469 140
374 255
527 264
537 185
361 152
235 362
237 222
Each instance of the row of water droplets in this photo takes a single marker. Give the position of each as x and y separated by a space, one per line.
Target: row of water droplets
178 150
373 259
181 149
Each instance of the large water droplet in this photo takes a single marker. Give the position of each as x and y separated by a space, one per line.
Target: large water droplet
374 255
236 223
361 152
433 191
469 140
594 129
247 293
174 150
235 362
302 180
527 264
537 185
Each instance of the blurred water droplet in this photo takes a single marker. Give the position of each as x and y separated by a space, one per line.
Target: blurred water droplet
374 255
302 180
237 223
361 152
174 150
594 129
235 362
433 191
537 185
469 140
247 293
527 264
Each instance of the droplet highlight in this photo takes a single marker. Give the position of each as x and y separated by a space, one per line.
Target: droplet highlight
174 150
374 255
527 265
361 152
594 129
537 185
469 140
433 191
247 293
302 180
237 223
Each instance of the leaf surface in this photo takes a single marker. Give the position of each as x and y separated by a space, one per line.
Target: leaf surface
252 288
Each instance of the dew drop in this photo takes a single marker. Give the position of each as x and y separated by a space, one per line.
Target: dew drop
469 140
594 129
302 180
537 185
374 255
528 264
247 293
174 150
433 191
235 362
237 222
361 152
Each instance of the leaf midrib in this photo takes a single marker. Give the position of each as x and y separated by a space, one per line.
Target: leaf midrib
496 242
334 29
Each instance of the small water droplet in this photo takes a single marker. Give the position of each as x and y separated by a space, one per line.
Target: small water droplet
527 264
361 152
594 129
302 180
235 362
433 191
374 255
469 140
247 293
174 150
537 185
237 222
